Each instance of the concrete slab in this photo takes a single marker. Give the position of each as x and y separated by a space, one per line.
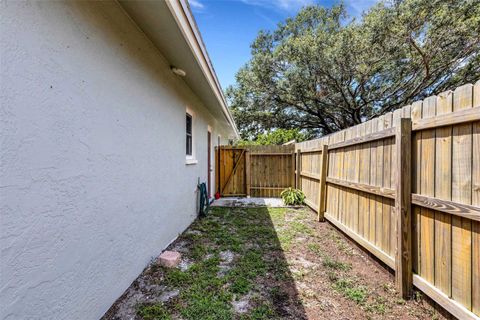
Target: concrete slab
248 202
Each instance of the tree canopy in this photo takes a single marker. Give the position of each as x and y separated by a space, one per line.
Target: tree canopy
322 71
277 136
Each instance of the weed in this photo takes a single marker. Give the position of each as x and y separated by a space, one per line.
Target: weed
336 265
417 296
198 251
357 294
299 275
332 276
300 228
351 290
315 248
261 312
241 286
153 312
379 305
175 277
205 305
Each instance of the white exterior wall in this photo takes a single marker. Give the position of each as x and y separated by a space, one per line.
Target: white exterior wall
93 180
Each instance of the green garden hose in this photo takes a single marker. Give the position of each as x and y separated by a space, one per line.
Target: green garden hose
204 203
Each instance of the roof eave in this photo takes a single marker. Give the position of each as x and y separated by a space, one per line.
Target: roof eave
201 77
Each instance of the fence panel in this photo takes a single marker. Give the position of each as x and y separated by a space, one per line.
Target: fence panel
362 175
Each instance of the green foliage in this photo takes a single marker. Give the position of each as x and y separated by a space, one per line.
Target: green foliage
351 290
321 71
153 312
292 197
336 265
263 311
277 137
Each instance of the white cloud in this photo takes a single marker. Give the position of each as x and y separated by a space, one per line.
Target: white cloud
196 4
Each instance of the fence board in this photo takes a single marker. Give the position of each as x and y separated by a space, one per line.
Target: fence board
443 190
416 113
476 202
461 192
363 174
379 234
387 203
373 176
427 174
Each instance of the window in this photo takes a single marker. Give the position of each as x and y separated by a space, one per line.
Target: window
189 137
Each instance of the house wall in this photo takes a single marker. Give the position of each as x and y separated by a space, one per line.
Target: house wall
92 173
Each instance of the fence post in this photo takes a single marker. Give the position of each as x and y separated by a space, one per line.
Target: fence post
403 261
294 170
322 197
298 168
219 151
247 172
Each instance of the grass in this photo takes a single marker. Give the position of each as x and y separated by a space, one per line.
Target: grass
252 238
248 234
153 312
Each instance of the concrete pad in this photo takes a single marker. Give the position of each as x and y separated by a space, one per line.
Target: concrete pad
249 202
169 259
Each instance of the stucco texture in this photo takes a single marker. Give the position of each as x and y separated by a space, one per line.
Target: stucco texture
93 180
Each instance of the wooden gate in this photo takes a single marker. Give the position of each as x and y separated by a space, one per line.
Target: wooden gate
230 171
257 171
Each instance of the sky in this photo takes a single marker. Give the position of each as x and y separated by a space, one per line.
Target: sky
228 27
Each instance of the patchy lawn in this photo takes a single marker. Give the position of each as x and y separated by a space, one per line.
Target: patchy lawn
266 263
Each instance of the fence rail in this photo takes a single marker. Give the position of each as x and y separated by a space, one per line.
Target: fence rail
406 186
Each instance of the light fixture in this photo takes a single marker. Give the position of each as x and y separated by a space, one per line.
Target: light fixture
178 71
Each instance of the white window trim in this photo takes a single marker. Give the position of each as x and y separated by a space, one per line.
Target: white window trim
191 159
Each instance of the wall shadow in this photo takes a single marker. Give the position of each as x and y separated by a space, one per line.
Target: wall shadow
233 267
276 285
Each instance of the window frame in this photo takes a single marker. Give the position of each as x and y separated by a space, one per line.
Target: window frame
190 158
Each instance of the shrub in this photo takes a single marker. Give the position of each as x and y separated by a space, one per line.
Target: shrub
293 196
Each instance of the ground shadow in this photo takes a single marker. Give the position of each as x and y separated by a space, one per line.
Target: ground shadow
233 267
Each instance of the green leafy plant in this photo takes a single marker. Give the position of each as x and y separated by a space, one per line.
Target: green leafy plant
277 137
292 197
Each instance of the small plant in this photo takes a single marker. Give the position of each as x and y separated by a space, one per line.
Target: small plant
351 290
336 265
293 197
152 312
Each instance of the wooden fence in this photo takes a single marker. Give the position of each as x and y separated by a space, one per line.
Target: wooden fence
406 186
257 171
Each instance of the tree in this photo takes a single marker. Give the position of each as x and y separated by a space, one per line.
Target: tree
278 137
321 73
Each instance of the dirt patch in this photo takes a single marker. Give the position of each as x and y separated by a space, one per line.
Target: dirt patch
268 263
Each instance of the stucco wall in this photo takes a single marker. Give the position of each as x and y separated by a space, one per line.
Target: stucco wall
93 181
